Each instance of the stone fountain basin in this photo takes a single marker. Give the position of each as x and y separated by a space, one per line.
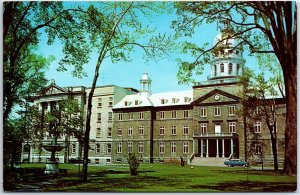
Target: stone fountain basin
51 148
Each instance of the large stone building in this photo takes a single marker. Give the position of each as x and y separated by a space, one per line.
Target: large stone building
198 124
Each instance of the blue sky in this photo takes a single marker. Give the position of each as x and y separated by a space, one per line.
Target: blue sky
127 74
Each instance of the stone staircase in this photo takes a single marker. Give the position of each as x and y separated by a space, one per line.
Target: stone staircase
217 162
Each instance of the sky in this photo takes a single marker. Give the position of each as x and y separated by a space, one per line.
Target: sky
127 74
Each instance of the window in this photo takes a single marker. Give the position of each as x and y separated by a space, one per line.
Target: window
119 147
256 111
203 127
161 147
174 100
120 116
163 101
185 129
236 52
162 114
161 130
119 131
215 70
257 127
100 102
97 161
127 103
130 115
141 130
231 110
173 130
185 147
110 102
185 114
173 147
98 132
137 102
97 149
173 114
230 68
141 115
217 111
108 148
141 147
99 117
231 127
203 112
110 116
258 149
130 130
73 148
187 99
222 67
129 147
109 132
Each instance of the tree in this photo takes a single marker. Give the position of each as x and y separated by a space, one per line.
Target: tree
260 101
115 31
262 26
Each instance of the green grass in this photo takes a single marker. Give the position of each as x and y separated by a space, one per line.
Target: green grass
163 178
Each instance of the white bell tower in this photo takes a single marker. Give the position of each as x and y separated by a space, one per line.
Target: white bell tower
145 85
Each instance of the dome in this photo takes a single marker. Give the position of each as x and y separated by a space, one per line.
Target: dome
145 77
229 42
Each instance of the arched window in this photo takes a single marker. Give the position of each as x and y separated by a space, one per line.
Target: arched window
222 67
230 68
215 67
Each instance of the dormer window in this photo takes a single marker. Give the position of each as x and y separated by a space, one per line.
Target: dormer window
163 101
174 100
127 103
187 99
137 102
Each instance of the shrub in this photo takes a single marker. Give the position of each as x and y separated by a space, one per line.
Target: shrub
133 164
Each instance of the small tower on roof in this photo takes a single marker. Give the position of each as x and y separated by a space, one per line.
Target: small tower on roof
145 85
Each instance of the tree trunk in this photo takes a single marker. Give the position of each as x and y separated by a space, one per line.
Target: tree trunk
274 150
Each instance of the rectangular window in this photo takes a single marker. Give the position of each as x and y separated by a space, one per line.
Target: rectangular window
217 111
185 147
162 114
185 114
129 147
203 112
110 115
130 115
173 130
231 127
173 147
130 130
257 127
119 131
161 130
99 102
120 116
119 147
109 132
141 115
141 147
141 130
173 114
98 132
99 117
108 148
258 149
231 110
97 149
230 68
203 127
161 147
110 101
185 129
73 148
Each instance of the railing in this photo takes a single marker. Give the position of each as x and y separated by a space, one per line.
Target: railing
215 135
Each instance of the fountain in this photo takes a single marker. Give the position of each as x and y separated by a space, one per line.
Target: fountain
52 164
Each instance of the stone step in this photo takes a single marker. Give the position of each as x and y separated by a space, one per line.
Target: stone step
203 161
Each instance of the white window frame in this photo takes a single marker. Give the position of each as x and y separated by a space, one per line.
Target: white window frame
161 147
98 132
173 114
108 148
162 114
173 147
162 130
110 101
130 115
120 130
203 112
231 111
73 148
141 130
109 131
217 111
257 127
232 127
97 148
119 147
99 102
99 117
185 147
186 114
120 116
173 130
141 147
110 116
203 127
186 129
129 147
130 131
141 115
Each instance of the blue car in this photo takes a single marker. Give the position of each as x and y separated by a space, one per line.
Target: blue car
236 162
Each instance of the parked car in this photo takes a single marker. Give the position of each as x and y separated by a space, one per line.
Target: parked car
236 162
77 160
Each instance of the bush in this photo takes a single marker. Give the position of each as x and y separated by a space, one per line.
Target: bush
133 164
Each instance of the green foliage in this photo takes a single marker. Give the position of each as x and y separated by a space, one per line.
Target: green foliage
133 164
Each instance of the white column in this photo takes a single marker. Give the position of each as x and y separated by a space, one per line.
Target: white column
231 146
206 147
223 154
201 152
217 155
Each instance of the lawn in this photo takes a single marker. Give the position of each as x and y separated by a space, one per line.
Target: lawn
158 178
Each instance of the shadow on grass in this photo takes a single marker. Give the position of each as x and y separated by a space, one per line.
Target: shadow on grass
244 186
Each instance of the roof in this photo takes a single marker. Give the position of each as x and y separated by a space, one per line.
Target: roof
156 100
